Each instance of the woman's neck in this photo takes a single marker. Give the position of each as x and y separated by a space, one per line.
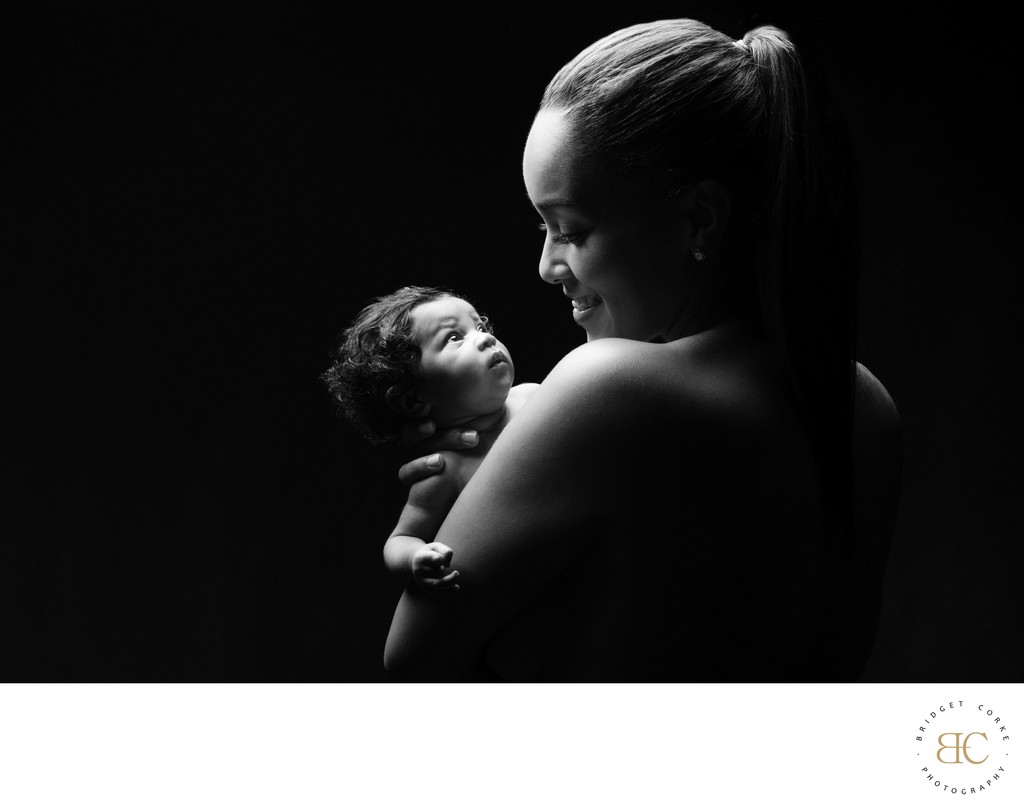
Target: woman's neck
737 304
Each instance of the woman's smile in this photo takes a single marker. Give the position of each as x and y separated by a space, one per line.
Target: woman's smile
618 256
584 306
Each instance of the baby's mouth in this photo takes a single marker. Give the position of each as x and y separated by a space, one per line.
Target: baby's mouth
498 358
586 302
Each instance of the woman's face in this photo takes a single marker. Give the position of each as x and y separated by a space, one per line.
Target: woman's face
618 255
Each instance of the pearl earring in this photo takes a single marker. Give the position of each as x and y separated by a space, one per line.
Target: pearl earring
699 254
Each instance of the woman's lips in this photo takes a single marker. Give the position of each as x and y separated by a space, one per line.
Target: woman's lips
584 306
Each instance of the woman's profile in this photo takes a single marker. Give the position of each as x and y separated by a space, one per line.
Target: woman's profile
705 490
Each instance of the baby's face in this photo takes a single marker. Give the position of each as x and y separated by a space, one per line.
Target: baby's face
466 371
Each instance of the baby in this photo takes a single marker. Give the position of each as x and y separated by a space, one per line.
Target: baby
416 351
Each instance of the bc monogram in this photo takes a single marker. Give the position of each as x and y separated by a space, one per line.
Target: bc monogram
961 748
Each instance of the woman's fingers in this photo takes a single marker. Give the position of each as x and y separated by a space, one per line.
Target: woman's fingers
421 468
423 436
451 438
427 465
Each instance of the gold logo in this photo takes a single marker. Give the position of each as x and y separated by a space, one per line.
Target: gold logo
982 741
961 748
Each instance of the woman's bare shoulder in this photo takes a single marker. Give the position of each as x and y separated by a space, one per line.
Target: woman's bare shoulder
608 365
710 376
579 387
603 382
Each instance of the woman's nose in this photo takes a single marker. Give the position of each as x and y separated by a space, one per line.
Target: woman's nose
553 268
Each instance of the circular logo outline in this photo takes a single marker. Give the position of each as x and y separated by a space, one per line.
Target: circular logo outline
960 760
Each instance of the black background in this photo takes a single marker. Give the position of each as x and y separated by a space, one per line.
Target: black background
200 200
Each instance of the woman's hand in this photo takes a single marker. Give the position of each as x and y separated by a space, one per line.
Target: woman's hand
422 437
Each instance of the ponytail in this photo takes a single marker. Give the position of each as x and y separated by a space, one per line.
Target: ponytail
807 262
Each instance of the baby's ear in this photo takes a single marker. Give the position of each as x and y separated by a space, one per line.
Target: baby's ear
404 401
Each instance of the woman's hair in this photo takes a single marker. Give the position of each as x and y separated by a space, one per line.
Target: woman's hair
675 102
374 353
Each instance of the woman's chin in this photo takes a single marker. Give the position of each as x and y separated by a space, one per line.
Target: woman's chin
588 313
593 321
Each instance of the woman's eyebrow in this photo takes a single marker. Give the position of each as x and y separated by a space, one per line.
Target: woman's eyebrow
556 203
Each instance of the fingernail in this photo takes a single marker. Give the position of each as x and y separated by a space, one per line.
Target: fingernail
426 427
433 461
469 437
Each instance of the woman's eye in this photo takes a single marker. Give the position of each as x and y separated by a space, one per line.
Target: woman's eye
569 238
564 238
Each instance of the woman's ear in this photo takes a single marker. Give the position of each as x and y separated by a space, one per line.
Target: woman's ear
404 401
708 208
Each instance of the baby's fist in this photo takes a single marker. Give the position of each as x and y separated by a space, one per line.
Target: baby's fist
430 569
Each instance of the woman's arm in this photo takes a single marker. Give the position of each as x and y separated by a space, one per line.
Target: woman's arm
550 482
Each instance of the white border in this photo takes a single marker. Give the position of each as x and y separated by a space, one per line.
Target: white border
480 745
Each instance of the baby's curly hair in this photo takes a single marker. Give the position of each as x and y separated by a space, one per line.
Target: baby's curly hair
375 352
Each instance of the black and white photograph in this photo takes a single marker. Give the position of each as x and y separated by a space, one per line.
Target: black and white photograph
660 344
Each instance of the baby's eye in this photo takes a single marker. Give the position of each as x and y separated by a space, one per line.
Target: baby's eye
452 337
481 327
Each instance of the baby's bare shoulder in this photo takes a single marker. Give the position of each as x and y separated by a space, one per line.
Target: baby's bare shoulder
519 395
523 389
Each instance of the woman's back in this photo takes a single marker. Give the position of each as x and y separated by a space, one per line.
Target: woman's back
716 563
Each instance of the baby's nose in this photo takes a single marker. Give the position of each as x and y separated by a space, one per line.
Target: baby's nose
486 340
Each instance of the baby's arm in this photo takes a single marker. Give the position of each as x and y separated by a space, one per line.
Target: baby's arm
409 551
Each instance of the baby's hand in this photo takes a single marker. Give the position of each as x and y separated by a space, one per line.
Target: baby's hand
430 569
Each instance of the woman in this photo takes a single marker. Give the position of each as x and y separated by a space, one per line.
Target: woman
681 498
